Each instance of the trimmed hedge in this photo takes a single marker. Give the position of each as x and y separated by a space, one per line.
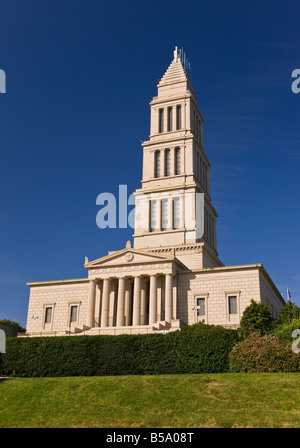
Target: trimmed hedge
196 349
266 353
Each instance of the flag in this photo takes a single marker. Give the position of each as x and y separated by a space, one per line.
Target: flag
288 294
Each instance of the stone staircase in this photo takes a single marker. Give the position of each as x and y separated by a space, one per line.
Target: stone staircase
161 325
78 329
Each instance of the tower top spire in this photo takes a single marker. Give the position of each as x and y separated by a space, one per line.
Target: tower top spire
180 55
176 54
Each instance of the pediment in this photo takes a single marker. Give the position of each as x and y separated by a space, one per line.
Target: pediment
127 257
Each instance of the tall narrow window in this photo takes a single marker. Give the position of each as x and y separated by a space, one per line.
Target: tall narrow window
177 161
152 216
48 315
232 304
164 214
157 164
167 162
170 118
73 313
161 121
176 213
178 117
200 307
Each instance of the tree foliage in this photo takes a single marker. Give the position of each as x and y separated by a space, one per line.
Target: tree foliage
257 317
287 313
13 324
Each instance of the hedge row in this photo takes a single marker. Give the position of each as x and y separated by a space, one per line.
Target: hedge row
197 349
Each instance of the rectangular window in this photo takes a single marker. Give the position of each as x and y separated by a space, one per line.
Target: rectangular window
73 313
157 163
161 121
176 213
48 315
152 216
201 307
164 214
177 161
232 304
178 117
167 162
170 118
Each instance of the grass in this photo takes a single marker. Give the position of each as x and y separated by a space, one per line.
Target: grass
257 400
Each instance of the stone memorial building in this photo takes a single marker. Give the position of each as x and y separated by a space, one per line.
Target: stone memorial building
171 275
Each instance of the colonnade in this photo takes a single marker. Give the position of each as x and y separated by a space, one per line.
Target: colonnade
131 301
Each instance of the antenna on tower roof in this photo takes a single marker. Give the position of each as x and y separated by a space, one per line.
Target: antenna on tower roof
185 62
180 54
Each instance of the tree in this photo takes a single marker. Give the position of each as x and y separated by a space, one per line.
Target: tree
13 324
287 313
256 317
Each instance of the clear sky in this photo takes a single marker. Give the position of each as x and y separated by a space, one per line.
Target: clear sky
79 79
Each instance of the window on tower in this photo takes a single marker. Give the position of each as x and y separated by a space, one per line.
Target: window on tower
152 216
157 164
167 162
170 118
176 213
177 161
161 120
178 117
164 214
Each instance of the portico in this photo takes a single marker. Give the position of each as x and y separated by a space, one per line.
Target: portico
144 296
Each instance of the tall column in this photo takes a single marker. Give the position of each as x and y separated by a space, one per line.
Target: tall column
121 302
98 299
159 298
105 303
168 297
153 300
136 301
91 304
143 302
112 314
175 282
128 303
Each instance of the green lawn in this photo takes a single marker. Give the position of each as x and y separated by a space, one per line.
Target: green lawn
257 400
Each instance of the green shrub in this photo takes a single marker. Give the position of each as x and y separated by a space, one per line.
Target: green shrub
265 353
284 331
194 350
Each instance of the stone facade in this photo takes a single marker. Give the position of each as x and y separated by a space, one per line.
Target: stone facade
172 275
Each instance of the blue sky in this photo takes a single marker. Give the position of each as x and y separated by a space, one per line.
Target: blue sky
80 76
